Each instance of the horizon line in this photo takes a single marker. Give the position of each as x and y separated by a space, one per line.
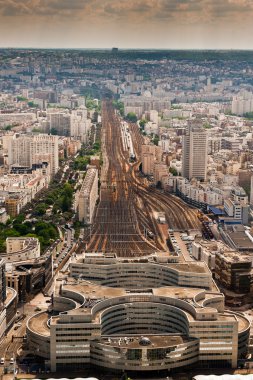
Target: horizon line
124 49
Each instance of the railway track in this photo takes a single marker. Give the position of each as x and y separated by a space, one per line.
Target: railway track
116 227
126 208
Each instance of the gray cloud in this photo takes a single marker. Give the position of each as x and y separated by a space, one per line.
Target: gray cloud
128 9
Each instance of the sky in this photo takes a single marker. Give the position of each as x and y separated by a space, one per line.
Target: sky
160 24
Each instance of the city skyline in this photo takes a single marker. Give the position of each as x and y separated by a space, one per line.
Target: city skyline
161 24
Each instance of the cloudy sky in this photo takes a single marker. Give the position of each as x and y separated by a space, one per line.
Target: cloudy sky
179 24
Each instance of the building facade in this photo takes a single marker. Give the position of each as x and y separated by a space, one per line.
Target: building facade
194 160
114 314
88 196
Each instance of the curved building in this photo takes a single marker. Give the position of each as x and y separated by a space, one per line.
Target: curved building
112 322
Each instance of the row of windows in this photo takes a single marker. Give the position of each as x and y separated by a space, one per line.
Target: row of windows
72 340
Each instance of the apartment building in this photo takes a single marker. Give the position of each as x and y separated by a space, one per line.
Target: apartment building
59 122
88 196
150 154
26 150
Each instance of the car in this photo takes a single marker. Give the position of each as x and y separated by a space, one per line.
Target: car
37 309
11 360
2 361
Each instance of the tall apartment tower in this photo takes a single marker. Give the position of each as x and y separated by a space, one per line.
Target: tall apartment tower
26 150
194 163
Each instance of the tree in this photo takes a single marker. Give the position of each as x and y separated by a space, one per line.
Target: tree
68 190
66 203
173 171
53 131
142 123
120 107
23 229
40 209
156 139
32 104
8 127
21 98
131 116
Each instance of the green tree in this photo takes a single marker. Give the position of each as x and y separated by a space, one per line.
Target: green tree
40 209
66 203
173 171
53 131
8 127
22 229
32 104
142 123
131 116
21 98
156 139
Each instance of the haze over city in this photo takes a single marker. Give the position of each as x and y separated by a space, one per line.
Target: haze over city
126 189
162 24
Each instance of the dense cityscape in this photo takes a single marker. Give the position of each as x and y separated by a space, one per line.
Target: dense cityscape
126 215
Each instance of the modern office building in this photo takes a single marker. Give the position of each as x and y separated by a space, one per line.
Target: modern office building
194 161
143 314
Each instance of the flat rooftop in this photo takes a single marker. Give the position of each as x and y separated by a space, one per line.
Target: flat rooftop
240 240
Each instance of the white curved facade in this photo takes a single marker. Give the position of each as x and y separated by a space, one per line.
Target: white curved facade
138 329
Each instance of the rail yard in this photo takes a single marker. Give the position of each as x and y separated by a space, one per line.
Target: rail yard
127 204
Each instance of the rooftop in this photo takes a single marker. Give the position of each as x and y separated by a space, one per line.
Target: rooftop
152 341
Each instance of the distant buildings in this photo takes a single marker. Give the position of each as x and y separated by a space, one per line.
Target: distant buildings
242 103
141 104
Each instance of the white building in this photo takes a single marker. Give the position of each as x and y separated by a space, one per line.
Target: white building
88 196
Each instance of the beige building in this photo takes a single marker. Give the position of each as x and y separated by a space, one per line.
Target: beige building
148 162
150 154
88 196
22 248
161 171
26 150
